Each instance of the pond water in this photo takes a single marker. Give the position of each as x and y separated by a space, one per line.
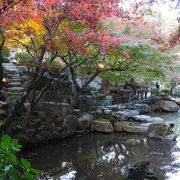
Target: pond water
106 157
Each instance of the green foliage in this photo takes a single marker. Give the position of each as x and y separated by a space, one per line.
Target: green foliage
6 52
147 62
127 30
43 106
5 60
11 168
23 56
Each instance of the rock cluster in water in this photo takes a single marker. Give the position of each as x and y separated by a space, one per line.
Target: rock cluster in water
141 171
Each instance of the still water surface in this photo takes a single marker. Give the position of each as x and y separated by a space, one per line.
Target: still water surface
106 157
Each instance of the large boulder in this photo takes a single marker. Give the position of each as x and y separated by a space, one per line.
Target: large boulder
169 106
129 127
102 125
84 122
70 124
160 131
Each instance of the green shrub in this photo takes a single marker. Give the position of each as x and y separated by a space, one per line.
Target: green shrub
23 56
5 60
11 167
6 52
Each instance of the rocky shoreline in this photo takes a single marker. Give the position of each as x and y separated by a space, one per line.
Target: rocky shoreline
59 121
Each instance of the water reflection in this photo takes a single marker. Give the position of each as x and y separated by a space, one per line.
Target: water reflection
100 156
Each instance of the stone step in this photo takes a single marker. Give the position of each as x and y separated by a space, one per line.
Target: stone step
12 70
15 89
14 94
7 64
14 85
13 76
14 80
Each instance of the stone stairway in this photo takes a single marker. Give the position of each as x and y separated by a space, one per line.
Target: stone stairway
14 88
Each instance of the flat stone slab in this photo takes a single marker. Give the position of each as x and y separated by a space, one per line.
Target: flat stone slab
14 84
15 80
130 127
142 118
15 89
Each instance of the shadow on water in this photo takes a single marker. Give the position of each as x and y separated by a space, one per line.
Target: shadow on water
106 157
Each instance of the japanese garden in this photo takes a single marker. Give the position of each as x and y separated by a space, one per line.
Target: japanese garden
89 89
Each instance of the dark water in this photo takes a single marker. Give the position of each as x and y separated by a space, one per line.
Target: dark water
106 157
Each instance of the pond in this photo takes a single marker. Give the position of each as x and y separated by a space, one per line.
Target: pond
106 157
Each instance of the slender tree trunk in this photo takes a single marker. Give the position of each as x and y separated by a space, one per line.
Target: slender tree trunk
1 56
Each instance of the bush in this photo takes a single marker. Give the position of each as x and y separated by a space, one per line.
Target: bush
6 52
11 167
23 56
5 60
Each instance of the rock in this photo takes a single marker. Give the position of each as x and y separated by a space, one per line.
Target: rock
102 125
147 108
126 114
3 105
70 124
139 107
169 106
119 126
37 121
96 84
159 130
156 119
142 118
84 122
176 91
41 115
26 84
107 111
111 117
66 109
176 100
136 129
141 171
87 103
129 127
155 106
3 113
77 112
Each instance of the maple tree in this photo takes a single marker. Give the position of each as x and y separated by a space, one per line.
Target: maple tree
60 28
6 10
71 30
73 33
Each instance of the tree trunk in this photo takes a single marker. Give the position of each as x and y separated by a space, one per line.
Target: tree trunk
75 98
1 57
1 69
